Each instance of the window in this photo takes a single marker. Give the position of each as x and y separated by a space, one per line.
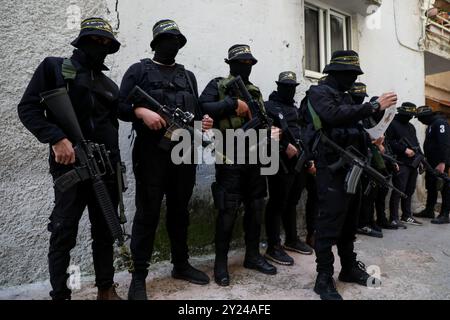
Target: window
312 54
326 31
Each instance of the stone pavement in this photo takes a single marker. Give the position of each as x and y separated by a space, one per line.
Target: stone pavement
414 264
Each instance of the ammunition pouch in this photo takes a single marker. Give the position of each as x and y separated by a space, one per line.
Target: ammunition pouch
232 122
178 91
71 178
225 88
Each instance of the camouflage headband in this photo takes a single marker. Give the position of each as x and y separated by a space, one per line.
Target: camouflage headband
164 26
96 23
347 60
237 51
288 75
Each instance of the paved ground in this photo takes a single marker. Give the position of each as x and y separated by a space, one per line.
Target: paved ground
414 264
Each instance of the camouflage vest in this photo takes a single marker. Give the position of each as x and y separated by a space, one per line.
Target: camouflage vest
235 122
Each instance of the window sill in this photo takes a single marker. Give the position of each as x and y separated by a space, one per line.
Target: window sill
313 75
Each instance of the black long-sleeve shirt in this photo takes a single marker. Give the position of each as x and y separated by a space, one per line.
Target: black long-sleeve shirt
94 98
340 119
213 106
437 142
138 75
395 132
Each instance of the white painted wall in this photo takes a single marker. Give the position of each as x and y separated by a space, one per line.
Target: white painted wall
391 59
274 30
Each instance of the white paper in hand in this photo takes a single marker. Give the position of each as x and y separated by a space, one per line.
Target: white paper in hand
379 130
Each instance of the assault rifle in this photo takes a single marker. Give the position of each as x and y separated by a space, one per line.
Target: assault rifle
175 119
421 159
358 165
92 159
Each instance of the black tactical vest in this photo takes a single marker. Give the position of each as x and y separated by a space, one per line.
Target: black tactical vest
176 92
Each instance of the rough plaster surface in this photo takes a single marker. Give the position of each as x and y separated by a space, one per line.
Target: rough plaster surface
30 31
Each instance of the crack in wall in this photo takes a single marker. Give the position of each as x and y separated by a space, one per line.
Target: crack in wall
117 14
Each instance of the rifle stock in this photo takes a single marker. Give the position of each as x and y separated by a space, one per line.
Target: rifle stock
59 104
92 158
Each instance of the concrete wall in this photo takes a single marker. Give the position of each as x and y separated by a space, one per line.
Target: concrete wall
391 58
30 32
273 28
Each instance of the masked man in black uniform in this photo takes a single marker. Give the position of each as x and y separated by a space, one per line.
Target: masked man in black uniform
366 222
406 178
156 175
95 100
437 151
285 187
236 183
328 109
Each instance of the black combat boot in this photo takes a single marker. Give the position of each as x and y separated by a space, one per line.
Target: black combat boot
326 288
278 255
252 225
137 289
441 219
224 230
355 273
310 240
257 262
298 246
368 231
221 275
425 213
384 224
108 293
187 272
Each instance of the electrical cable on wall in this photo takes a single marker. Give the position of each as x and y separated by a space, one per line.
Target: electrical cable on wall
398 37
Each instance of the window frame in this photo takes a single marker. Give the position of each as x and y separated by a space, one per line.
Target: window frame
325 11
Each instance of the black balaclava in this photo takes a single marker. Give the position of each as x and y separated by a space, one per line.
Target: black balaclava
238 68
403 118
95 53
286 92
345 79
166 49
426 120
